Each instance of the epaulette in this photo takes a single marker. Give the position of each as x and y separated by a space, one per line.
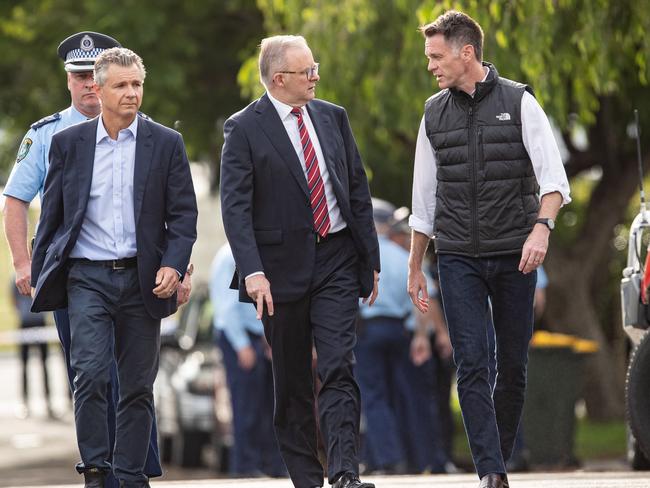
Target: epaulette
46 120
144 116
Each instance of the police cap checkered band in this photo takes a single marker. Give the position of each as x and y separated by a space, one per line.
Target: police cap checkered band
80 50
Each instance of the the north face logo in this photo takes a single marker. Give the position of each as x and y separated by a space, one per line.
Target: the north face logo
503 116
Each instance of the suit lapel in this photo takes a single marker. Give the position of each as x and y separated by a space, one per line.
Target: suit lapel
270 122
85 161
143 155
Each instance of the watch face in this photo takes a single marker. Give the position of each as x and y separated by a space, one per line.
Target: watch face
550 223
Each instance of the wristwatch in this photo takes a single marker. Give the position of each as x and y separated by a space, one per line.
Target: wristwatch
550 223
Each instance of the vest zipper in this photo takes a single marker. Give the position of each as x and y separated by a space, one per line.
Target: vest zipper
472 161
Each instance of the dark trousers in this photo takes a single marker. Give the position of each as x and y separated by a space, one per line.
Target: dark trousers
152 467
382 354
420 420
24 356
326 318
108 324
255 449
491 416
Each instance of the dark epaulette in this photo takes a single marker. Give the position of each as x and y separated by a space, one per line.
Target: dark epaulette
46 120
144 116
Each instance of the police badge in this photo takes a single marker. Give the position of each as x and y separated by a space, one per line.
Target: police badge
24 149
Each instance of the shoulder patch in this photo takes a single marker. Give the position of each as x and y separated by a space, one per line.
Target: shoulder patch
144 116
24 149
46 120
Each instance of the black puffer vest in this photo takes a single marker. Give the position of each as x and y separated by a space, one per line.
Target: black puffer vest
487 194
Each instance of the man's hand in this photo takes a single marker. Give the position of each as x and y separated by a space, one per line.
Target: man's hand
246 358
185 287
417 288
24 278
259 289
375 291
420 349
534 250
167 282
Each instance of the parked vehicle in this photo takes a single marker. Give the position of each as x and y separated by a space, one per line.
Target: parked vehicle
192 399
636 321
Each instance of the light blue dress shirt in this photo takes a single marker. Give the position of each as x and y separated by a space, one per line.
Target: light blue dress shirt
393 299
108 229
231 316
28 174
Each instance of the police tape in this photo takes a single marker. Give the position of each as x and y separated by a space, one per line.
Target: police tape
29 335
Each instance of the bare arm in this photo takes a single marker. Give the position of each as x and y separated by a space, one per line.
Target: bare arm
15 225
417 282
536 246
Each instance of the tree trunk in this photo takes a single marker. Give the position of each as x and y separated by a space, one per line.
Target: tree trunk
573 269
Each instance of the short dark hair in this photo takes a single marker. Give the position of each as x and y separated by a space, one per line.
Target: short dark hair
459 29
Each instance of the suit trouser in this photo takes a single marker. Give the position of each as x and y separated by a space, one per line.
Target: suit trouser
491 414
255 449
326 318
108 324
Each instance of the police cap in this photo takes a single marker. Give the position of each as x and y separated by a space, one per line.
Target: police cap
382 211
80 50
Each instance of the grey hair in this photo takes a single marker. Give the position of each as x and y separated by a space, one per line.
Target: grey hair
120 56
273 55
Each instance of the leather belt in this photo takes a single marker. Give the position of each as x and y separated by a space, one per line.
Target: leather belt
331 236
110 263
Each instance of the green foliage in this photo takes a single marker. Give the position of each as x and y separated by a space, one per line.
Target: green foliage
192 51
572 52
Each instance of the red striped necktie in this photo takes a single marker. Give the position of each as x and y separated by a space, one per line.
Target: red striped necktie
314 180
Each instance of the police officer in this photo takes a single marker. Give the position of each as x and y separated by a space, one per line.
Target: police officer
246 356
27 179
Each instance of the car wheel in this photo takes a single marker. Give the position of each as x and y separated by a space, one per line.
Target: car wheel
187 448
637 390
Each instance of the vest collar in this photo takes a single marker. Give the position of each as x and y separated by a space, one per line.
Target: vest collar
482 87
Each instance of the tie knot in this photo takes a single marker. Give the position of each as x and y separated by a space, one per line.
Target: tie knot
296 111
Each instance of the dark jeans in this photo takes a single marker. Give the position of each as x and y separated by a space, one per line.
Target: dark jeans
491 416
108 323
152 467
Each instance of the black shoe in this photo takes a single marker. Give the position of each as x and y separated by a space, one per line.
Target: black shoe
94 478
351 480
492 480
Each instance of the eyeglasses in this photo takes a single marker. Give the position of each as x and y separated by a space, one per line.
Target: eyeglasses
309 72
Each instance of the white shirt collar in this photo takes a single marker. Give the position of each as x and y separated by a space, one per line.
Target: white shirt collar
282 108
102 132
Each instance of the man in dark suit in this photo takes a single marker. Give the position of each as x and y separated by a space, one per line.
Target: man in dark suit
116 232
297 212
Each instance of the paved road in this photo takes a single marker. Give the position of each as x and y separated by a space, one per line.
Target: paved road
539 480
38 451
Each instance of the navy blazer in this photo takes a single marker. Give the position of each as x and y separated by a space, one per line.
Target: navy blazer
163 197
265 199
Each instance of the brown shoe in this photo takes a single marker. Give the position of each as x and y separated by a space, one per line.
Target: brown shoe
492 480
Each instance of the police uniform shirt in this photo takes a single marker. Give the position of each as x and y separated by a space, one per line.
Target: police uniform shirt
28 174
393 299
234 318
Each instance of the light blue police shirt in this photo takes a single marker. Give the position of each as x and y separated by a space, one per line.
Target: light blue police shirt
28 174
108 228
393 299
231 316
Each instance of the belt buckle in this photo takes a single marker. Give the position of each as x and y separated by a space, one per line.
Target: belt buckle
116 265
